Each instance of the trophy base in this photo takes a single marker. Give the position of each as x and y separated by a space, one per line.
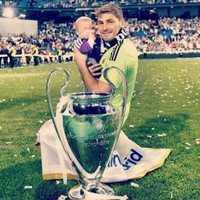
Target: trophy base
77 193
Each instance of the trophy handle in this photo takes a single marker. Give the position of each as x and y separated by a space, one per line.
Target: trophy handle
61 93
124 85
59 129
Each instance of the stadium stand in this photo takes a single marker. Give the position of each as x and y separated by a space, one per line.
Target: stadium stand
154 35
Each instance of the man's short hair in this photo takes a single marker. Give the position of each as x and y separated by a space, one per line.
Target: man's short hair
110 8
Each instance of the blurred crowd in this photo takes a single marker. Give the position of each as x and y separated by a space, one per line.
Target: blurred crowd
93 3
165 35
54 42
84 3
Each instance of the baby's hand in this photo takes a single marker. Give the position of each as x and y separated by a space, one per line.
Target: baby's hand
92 34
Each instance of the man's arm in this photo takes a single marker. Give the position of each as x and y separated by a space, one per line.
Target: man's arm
92 84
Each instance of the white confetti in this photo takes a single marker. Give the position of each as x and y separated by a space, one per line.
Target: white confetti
135 185
33 156
8 142
149 136
162 135
187 147
160 111
0 127
15 155
131 126
28 149
3 100
197 141
187 143
62 197
57 182
28 187
40 121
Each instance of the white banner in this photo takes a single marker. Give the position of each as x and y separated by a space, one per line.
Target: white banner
128 161
17 26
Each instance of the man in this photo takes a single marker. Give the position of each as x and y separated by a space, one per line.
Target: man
59 53
1 54
5 51
120 52
128 160
35 54
12 54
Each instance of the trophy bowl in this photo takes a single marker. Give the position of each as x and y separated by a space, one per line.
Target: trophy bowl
88 127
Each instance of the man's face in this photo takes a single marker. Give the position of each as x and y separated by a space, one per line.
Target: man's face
108 26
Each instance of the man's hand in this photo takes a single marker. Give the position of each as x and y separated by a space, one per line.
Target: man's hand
91 83
95 69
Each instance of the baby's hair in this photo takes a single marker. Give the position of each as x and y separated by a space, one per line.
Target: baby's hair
81 19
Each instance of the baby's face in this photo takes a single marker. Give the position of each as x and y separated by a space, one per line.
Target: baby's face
85 29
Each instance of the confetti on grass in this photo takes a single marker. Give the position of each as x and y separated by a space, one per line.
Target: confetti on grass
149 136
187 143
135 185
8 142
28 187
3 100
198 141
57 182
162 135
62 197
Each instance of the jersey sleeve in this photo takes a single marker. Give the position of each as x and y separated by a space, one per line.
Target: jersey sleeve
84 46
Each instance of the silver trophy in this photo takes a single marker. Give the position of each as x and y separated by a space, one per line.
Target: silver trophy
88 128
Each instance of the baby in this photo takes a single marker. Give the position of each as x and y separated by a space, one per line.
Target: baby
88 42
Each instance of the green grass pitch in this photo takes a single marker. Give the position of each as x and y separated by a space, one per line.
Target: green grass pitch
166 102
